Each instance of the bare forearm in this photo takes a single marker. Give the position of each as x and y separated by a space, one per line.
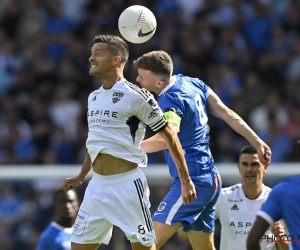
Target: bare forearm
241 127
153 144
86 167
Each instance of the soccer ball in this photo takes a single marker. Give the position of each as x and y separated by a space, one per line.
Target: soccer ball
137 24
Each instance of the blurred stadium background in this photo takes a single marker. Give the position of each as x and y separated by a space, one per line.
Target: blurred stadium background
247 51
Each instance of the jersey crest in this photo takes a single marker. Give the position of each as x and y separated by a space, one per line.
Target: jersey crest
117 97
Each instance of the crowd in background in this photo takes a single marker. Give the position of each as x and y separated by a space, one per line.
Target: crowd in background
247 51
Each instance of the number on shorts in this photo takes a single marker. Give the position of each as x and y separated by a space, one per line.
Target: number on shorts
141 229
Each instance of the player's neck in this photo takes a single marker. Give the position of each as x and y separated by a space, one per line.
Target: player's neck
65 222
110 79
252 192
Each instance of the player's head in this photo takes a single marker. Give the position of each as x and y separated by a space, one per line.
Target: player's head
250 168
108 52
154 70
66 206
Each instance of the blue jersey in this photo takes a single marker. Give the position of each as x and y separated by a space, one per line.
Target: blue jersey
187 97
55 237
284 203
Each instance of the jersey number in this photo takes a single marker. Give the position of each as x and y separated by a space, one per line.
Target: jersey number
202 115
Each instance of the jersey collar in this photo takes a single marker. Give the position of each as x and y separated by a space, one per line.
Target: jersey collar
169 85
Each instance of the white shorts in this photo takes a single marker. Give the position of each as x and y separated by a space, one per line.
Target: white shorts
121 200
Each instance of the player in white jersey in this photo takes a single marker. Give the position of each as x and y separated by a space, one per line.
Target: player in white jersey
237 206
118 193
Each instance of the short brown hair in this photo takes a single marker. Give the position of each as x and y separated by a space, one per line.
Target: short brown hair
116 46
249 149
158 62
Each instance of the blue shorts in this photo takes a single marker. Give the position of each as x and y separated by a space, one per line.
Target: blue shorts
197 215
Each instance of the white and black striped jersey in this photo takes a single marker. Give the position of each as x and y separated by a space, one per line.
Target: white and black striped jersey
117 119
237 214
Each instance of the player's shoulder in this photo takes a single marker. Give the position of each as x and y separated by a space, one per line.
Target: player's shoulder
267 189
192 80
94 93
49 232
228 191
135 91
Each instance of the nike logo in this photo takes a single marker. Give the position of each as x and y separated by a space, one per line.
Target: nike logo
141 34
158 213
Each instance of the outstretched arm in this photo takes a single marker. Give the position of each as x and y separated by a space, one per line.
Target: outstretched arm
174 146
74 182
219 109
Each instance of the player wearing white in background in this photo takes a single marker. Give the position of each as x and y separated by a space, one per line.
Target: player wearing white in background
283 203
237 206
118 193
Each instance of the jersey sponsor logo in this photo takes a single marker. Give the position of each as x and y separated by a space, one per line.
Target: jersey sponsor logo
235 200
103 112
155 108
117 97
235 207
100 121
240 224
95 97
157 213
186 88
162 206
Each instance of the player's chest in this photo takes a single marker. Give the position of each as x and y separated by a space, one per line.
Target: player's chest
239 216
109 108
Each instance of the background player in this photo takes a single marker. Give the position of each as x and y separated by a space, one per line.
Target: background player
118 193
57 236
237 206
282 203
185 102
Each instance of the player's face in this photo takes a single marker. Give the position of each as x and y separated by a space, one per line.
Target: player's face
100 59
147 80
251 169
67 205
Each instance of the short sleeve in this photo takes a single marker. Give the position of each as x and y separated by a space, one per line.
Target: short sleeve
150 113
271 211
167 102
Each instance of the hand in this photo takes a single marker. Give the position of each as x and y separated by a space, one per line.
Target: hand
277 228
264 154
188 192
72 182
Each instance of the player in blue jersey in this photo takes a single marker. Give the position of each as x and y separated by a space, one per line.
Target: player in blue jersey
185 102
57 236
282 203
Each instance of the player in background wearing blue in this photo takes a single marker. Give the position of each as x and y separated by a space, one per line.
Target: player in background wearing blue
282 203
185 102
57 236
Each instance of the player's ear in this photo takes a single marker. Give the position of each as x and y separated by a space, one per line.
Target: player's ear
238 166
160 83
117 60
265 168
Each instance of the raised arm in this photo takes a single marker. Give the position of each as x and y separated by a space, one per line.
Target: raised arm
217 108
